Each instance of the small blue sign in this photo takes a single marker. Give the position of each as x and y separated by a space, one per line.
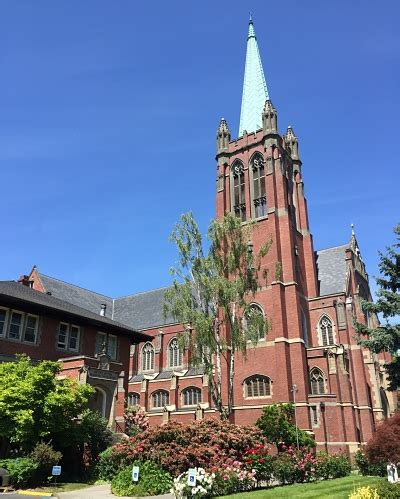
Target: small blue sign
192 476
135 473
56 471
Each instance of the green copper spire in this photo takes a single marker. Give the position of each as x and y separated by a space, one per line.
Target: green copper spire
255 91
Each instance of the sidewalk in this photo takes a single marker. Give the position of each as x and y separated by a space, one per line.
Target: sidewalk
100 492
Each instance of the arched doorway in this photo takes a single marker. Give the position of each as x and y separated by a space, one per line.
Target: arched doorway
98 401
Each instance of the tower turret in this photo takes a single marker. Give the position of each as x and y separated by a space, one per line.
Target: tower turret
223 137
292 143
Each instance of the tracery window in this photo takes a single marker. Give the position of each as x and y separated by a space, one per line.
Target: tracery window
133 399
255 316
239 198
191 396
326 331
257 386
174 354
160 398
148 357
259 196
317 381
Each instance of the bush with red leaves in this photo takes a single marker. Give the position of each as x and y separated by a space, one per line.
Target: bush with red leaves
178 447
385 444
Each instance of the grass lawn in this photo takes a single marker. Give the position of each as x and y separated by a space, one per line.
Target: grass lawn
339 488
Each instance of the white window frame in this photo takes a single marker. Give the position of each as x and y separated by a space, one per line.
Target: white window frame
35 331
21 328
67 346
78 340
60 347
3 334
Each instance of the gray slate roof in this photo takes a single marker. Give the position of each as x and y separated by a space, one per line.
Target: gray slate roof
142 310
331 269
13 293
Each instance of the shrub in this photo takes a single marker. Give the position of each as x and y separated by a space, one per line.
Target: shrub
45 457
299 466
22 470
259 460
332 465
203 488
385 444
178 447
136 421
107 467
153 480
365 493
231 477
367 468
388 490
283 468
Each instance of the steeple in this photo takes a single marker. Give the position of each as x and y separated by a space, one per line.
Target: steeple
255 91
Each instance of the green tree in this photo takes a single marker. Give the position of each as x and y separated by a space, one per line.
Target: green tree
276 423
35 405
386 337
210 296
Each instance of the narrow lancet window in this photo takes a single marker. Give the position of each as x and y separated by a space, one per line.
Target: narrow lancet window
259 196
239 198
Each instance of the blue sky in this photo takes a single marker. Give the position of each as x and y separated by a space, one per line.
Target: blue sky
109 112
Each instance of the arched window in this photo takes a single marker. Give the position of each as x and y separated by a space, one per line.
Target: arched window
317 381
325 328
254 322
259 197
239 198
191 396
133 399
174 354
148 357
160 398
257 386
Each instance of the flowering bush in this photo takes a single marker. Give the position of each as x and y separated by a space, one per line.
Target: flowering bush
178 447
332 465
203 487
231 477
136 420
295 465
258 459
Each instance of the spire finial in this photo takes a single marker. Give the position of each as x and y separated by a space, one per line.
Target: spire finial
250 18
352 230
255 91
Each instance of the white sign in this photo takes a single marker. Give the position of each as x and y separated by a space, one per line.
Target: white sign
135 473
192 475
56 471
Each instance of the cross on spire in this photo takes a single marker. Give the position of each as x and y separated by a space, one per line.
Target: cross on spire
255 91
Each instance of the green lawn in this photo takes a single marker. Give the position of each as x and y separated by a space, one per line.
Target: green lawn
339 488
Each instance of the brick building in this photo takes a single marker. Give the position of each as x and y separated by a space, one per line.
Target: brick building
310 352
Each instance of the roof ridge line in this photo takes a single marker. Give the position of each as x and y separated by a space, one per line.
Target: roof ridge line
75 285
143 292
332 247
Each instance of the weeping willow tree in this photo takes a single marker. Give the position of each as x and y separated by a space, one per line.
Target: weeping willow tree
211 297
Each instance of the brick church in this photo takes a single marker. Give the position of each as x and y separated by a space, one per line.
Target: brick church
309 354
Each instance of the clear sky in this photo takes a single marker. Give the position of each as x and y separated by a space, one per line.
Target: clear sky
108 114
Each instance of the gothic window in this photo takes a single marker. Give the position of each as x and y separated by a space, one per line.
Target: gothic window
317 381
255 318
191 396
325 328
259 197
239 198
133 399
148 357
160 398
174 354
257 386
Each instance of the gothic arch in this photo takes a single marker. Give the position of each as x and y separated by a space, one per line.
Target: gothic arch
159 399
257 386
317 381
174 354
98 401
147 357
191 396
257 185
255 308
238 189
326 331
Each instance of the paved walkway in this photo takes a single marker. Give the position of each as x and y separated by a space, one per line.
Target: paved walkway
99 492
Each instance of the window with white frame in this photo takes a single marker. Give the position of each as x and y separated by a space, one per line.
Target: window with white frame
147 357
325 328
3 321
15 326
159 398
317 381
109 341
191 396
30 329
174 354
257 386
68 337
